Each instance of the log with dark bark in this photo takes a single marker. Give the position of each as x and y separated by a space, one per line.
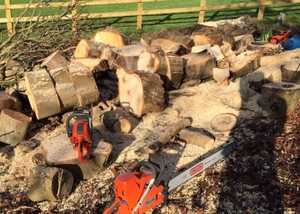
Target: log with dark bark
172 70
120 121
13 126
199 66
42 94
141 92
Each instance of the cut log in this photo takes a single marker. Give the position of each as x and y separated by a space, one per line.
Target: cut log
9 102
200 48
128 56
243 42
55 61
13 126
221 75
41 94
50 183
94 64
148 62
111 37
141 92
224 122
279 58
84 83
291 70
280 98
120 121
245 63
199 66
216 52
65 88
169 47
172 70
83 49
196 136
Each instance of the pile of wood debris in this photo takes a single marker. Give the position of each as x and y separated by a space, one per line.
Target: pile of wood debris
173 96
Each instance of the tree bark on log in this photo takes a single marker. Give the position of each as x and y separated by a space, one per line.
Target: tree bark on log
55 61
41 94
120 121
199 66
172 70
65 88
13 126
141 92
85 84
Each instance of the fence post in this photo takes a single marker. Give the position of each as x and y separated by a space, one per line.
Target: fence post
9 20
261 10
74 15
202 11
139 18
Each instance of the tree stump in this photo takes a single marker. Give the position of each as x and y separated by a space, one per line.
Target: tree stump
120 121
13 126
199 66
41 94
141 92
84 83
55 61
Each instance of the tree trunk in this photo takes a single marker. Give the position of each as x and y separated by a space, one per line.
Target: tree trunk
13 126
85 84
141 92
41 94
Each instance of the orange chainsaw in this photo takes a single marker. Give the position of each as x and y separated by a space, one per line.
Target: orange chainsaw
144 190
80 130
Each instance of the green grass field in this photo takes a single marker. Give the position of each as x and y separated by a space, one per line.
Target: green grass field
153 23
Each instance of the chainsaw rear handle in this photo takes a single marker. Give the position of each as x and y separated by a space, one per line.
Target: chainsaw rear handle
82 115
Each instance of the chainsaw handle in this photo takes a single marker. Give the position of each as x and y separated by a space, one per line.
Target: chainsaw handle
78 114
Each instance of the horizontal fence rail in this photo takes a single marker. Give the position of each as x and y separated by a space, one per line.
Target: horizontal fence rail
139 12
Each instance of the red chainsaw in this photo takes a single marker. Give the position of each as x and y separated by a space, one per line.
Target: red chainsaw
80 130
141 191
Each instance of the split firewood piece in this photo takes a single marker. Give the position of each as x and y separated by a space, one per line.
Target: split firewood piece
172 70
13 126
111 37
224 122
200 48
245 63
55 61
141 92
94 64
216 52
86 48
169 47
120 120
84 83
199 66
50 183
197 136
148 62
65 88
128 56
41 94
291 70
9 102
280 98
220 75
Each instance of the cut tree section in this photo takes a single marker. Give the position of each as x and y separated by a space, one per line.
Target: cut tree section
41 94
141 92
85 84
55 61
111 37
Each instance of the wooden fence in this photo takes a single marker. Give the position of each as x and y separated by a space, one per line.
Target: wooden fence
139 12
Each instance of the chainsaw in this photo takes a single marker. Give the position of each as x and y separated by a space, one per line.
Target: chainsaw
80 131
141 191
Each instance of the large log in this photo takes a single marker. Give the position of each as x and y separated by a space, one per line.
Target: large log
13 126
84 82
50 183
141 92
55 61
41 94
172 70
128 56
199 66
111 37
65 88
